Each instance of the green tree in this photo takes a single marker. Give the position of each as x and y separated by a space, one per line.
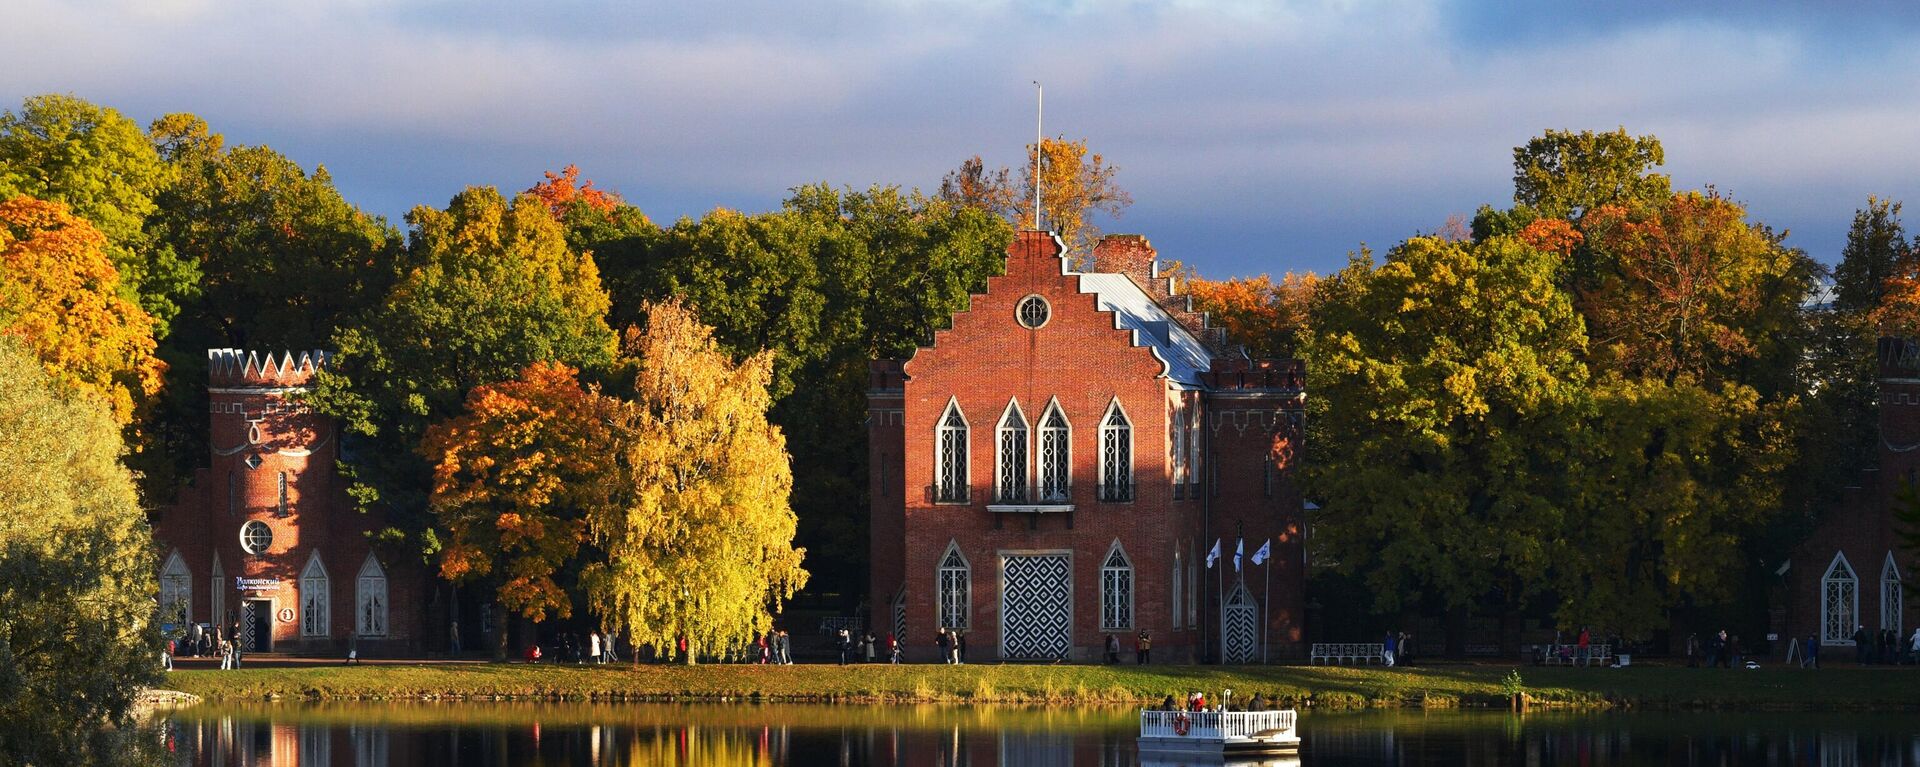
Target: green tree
76 573
1447 382
484 289
1563 174
1075 185
1875 252
99 163
699 544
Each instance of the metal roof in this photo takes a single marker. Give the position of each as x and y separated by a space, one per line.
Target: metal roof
1183 357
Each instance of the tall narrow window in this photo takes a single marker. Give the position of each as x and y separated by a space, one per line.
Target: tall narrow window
176 591
1839 602
1179 590
1891 604
233 494
315 598
1116 590
1056 454
1195 419
283 493
956 586
1010 484
950 463
1193 589
370 600
1178 449
217 593
1116 455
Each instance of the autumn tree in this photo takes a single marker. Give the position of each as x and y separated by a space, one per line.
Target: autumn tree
1564 174
562 191
1268 318
484 288
1075 185
105 169
60 293
76 574
515 478
699 544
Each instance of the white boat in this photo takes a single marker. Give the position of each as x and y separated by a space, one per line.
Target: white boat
1217 734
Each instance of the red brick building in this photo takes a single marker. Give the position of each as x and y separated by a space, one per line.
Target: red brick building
1055 467
266 536
1848 575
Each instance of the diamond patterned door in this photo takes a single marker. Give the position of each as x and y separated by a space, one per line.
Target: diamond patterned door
1036 606
1239 626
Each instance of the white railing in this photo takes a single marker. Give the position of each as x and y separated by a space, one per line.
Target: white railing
1215 725
1570 655
1348 652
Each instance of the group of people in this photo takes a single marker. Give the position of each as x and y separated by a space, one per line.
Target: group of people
861 648
1396 649
1720 649
1885 646
1197 701
201 640
775 647
597 647
1142 648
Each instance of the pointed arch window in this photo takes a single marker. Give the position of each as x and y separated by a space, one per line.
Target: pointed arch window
1116 590
1892 604
1178 448
1056 455
1010 475
217 592
950 459
283 493
370 599
176 591
1839 602
956 589
1116 455
1193 588
1195 419
315 597
1179 590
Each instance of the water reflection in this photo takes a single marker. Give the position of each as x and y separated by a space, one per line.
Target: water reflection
486 734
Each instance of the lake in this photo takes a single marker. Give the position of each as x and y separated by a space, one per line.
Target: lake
487 734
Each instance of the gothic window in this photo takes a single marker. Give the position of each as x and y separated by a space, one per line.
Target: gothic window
283 493
370 600
1193 591
1116 455
1179 451
176 591
1011 475
1839 602
1032 312
950 460
314 598
1179 590
956 589
1891 606
255 537
1056 453
1116 591
217 593
1194 421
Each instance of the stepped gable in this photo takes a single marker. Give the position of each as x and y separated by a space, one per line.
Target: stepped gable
240 367
1133 256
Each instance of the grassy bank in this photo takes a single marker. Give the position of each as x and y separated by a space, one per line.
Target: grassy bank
1443 686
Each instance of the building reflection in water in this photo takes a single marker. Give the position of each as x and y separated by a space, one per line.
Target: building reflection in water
486 735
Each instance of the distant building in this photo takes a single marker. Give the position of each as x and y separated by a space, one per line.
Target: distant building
1849 573
1055 466
265 535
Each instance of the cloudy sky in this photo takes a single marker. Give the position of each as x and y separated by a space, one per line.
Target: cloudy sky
1254 136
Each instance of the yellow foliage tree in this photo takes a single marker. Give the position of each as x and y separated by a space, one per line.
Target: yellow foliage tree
699 543
61 294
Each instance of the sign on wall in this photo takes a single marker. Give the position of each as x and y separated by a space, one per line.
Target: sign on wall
256 584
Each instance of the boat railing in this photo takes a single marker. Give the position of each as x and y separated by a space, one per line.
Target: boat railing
1214 725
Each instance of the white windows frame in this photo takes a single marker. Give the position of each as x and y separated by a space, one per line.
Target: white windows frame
1193 586
1179 588
1839 602
217 593
370 608
1011 456
951 453
316 597
1055 454
1196 418
176 590
283 494
1177 448
1892 599
256 537
953 582
1116 590
1116 455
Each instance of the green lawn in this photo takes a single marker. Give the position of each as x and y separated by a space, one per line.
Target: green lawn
1337 687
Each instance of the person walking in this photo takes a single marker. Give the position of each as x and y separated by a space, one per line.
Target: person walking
845 642
1142 647
353 649
226 655
893 649
1582 647
959 647
786 648
1403 650
1113 650
1386 650
166 656
944 642
1913 647
453 637
1810 658
1860 645
867 643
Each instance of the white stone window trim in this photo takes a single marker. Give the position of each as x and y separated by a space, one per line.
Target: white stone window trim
249 544
1196 418
176 590
371 620
217 593
1179 588
1122 574
1178 449
1058 476
1037 304
1108 482
952 489
1849 579
1012 420
1892 599
316 598
953 597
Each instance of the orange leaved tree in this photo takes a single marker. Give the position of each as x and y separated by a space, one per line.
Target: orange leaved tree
1266 317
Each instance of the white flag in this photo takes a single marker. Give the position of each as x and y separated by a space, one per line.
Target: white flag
1239 550
1266 550
1213 554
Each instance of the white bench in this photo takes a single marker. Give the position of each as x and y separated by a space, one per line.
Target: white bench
1360 653
1569 655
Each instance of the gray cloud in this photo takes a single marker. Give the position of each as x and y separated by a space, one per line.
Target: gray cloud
1254 136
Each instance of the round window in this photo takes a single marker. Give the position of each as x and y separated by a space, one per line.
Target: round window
1032 312
255 537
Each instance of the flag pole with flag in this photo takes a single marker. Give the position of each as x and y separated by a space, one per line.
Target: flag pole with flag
1219 591
1260 558
1239 550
